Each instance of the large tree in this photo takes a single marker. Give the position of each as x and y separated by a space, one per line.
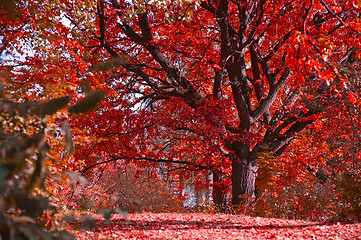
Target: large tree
219 81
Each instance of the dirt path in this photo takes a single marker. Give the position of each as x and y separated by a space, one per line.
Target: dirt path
220 226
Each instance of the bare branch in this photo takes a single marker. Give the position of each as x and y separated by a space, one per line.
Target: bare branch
257 82
278 145
144 26
116 158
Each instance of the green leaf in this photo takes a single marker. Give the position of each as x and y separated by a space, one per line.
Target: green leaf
3 173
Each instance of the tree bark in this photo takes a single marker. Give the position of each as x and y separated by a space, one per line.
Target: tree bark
218 194
243 181
244 172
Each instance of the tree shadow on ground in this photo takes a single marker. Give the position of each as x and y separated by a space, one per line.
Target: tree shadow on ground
181 225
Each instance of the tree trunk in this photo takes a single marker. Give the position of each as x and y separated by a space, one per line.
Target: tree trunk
218 193
243 181
244 171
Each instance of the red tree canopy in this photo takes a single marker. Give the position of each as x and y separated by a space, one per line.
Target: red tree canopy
196 85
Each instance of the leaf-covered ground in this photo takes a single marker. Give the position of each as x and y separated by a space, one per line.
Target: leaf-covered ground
219 226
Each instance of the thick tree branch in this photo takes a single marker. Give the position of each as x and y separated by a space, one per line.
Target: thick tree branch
234 64
243 108
188 93
100 9
222 20
280 113
145 28
266 69
269 100
278 145
257 82
217 84
251 37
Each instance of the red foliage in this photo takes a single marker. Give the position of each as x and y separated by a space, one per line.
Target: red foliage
191 86
129 188
198 93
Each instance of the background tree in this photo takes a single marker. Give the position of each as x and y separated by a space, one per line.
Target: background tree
128 189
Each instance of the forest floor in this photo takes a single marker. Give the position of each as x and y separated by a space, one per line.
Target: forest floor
217 226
